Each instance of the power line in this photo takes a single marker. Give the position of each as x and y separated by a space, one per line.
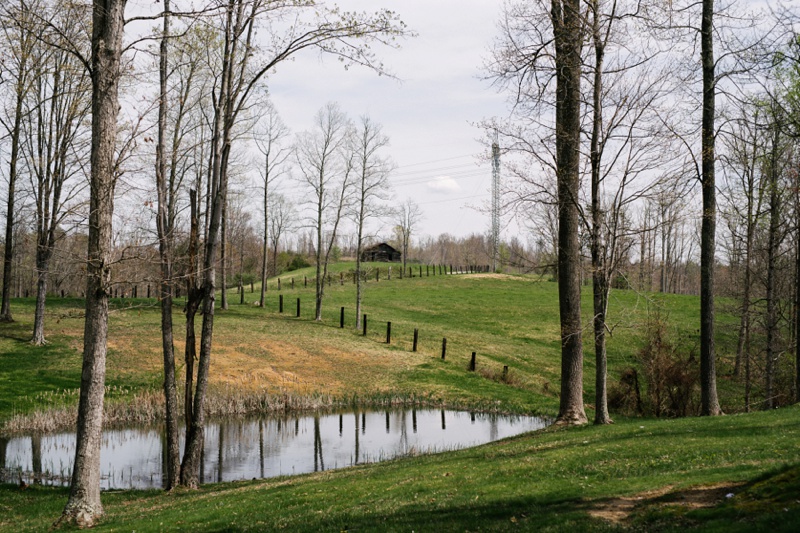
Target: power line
435 169
437 160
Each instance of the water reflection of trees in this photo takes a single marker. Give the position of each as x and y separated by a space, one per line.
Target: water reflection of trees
244 449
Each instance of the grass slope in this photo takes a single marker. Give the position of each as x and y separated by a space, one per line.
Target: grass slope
641 474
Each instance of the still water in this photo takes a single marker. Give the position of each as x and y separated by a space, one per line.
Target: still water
264 447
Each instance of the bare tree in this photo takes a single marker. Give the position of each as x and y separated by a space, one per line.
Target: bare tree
526 60
84 506
708 372
568 35
55 111
242 65
326 169
744 196
269 142
165 225
18 29
406 219
282 219
371 187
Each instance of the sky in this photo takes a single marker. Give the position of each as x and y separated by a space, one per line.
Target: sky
429 113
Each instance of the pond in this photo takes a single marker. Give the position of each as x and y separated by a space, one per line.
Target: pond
264 447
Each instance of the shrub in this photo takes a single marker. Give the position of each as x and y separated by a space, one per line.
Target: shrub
670 377
298 261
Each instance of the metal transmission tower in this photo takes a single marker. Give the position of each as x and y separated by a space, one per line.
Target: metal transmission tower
495 202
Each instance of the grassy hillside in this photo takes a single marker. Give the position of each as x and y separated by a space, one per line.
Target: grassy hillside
507 320
640 473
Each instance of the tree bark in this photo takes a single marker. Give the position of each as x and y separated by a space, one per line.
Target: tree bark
43 254
84 507
709 402
220 149
600 275
224 258
567 29
265 247
164 225
8 250
773 242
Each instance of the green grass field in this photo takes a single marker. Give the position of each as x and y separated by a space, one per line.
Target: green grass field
642 474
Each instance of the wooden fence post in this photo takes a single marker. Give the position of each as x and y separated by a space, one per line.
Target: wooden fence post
279 283
241 293
292 283
280 303
472 363
377 274
364 323
444 347
505 373
416 339
305 281
420 271
388 333
341 318
298 308
148 290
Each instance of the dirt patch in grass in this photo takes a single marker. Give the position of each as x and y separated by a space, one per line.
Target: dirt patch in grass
619 510
491 275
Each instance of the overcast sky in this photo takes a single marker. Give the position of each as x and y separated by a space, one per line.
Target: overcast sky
429 114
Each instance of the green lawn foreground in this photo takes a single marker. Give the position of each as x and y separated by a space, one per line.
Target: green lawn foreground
555 480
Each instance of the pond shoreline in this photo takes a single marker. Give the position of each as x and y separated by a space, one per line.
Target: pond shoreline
148 408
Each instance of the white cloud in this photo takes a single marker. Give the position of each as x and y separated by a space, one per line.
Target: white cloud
443 185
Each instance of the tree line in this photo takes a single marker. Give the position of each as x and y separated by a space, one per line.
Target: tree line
639 125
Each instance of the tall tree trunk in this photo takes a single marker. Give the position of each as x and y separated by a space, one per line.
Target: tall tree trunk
358 275
568 34
773 242
599 272
319 282
797 313
43 254
8 250
224 258
164 224
220 143
193 301
709 402
265 247
84 507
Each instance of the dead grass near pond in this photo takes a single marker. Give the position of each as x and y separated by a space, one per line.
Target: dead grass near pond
222 401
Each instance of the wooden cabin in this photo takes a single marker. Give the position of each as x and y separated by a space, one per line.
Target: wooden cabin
381 252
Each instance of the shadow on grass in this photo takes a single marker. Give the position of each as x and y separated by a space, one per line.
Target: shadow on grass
770 503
